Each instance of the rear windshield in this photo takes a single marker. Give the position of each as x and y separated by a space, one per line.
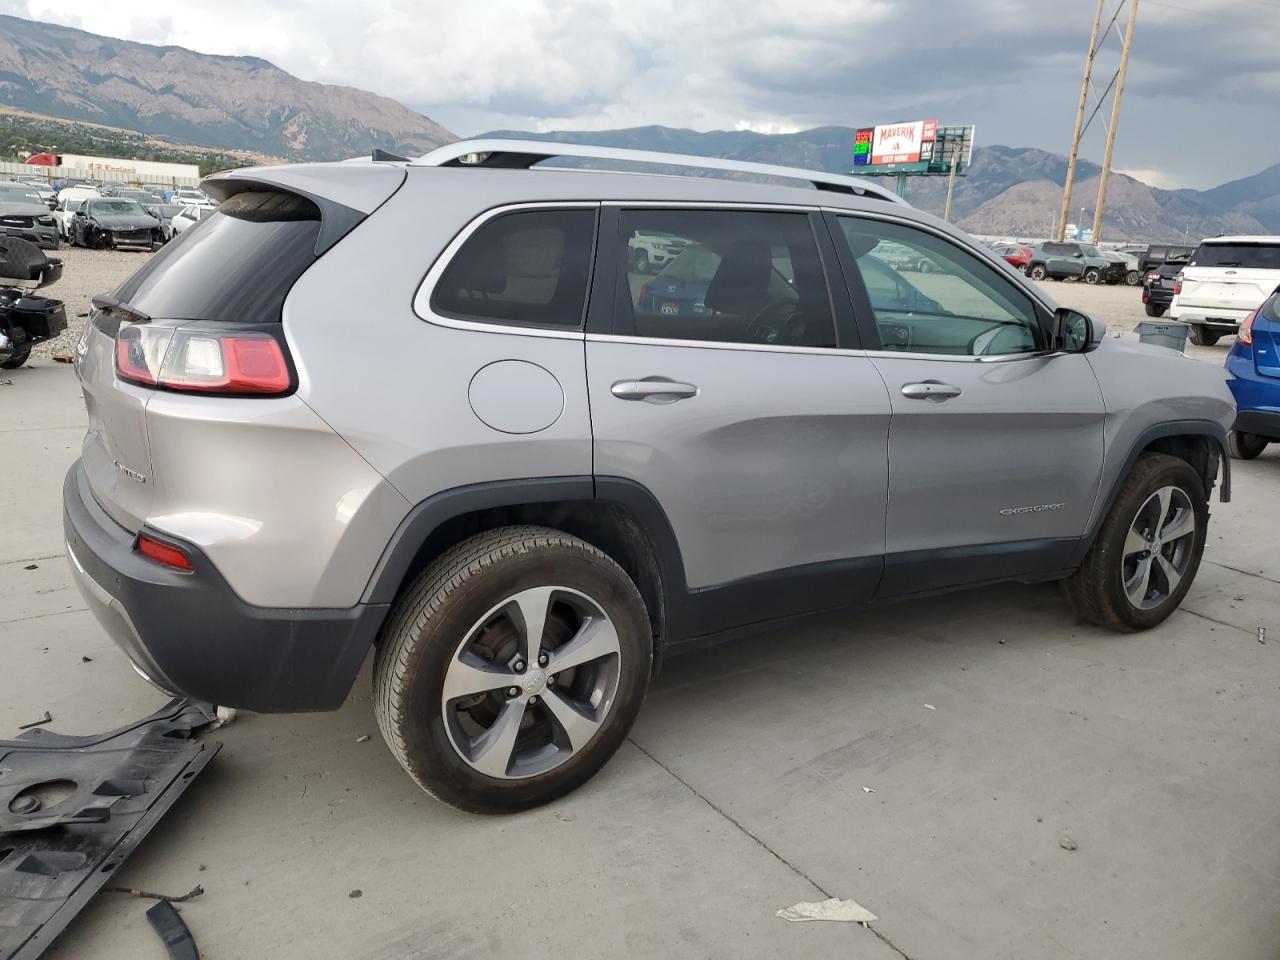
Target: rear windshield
238 263
1247 256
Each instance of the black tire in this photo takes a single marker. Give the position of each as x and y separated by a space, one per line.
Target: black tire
442 607
1155 309
1096 590
16 359
1132 277
1245 446
642 261
1202 336
1037 271
1091 275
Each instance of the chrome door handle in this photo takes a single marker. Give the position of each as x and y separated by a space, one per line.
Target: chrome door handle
654 390
933 390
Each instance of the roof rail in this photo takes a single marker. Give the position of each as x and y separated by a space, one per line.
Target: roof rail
523 154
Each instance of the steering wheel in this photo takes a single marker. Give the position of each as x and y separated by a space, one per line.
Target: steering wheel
779 322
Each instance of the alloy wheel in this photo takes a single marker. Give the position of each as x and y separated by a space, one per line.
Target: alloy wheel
531 682
1158 547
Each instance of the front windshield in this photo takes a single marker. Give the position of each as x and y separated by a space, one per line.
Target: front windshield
11 193
1090 251
115 207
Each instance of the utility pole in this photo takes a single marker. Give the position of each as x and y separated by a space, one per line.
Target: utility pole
1075 138
951 182
1115 120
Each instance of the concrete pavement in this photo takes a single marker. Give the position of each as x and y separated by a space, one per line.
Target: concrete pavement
741 790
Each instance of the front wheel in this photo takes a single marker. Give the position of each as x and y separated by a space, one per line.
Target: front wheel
642 262
1091 275
512 668
1202 336
1245 446
1148 549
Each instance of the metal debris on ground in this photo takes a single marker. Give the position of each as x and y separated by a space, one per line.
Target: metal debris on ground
1262 634
6 382
1066 843
47 718
841 911
868 789
196 891
172 929
930 706
363 738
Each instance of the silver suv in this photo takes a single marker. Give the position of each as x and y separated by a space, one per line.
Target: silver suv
429 409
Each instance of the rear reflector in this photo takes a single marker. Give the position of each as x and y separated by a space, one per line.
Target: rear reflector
163 553
241 362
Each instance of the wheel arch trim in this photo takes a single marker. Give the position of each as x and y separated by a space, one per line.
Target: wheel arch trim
1159 431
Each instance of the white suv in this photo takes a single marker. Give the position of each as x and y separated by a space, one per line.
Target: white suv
1225 280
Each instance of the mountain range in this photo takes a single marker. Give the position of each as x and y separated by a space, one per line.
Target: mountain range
171 94
240 103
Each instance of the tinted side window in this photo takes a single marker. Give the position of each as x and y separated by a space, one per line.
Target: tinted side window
956 305
527 268
730 276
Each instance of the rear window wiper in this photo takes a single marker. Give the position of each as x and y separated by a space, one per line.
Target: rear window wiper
104 301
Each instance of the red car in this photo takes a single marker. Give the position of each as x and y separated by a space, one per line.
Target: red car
1017 256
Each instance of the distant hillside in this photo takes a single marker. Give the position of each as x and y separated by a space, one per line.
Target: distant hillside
237 103
1007 190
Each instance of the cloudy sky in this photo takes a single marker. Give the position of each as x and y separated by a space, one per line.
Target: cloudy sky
1201 106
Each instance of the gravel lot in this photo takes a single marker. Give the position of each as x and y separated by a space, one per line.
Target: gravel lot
90 272
85 274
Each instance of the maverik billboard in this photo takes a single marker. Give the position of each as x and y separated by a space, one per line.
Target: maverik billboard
896 144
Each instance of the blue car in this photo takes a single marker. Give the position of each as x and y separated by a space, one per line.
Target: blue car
1254 368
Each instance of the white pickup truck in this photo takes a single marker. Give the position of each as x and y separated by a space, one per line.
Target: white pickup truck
1224 281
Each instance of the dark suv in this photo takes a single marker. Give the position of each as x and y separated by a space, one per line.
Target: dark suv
1074 261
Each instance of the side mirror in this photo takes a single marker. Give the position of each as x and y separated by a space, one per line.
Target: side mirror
1076 332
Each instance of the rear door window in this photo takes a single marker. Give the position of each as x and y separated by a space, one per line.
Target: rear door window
735 276
237 264
1244 256
526 268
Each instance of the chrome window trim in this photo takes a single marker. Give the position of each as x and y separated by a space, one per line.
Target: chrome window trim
713 205
724 345
422 297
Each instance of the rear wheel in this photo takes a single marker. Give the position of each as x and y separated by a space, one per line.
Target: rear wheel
17 358
1037 271
1246 446
1202 336
1148 549
1155 310
512 669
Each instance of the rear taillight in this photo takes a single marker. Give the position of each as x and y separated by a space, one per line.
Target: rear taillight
163 553
202 360
1177 285
1245 333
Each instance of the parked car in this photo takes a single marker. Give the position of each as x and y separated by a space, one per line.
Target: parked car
1222 283
63 216
1129 272
45 192
23 214
77 192
1253 374
539 493
650 252
189 195
1073 261
116 224
1157 286
188 217
1158 253
1017 255
165 212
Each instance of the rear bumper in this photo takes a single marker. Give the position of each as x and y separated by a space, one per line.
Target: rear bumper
1221 320
189 633
1264 423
